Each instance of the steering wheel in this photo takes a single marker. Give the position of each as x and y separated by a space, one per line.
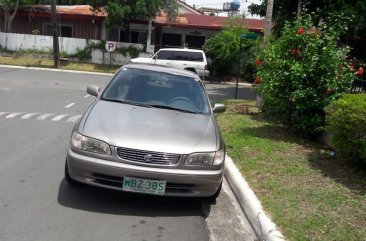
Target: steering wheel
181 98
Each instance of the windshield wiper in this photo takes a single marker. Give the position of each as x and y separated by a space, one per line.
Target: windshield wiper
173 108
126 102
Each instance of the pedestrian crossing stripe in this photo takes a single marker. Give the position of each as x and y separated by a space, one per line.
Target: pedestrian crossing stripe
39 116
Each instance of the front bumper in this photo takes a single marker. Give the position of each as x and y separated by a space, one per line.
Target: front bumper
110 174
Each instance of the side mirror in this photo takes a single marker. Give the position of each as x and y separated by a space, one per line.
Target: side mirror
219 108
93 90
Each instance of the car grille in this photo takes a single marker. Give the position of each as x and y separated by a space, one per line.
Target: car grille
148 157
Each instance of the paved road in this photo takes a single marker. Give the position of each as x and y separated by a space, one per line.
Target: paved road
37 112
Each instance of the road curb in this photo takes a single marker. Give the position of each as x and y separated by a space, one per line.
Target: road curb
54 70
251 206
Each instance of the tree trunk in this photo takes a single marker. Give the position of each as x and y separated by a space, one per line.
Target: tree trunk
8 18
11 18
56 48
149 30
298 9
268 19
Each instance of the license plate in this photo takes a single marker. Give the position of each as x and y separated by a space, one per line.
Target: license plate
132 184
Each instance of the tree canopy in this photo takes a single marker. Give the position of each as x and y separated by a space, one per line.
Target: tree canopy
10 8
284 10
120 12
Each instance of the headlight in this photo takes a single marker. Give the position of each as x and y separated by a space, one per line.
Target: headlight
208 158
89 144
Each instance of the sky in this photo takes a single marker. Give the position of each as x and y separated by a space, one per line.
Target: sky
219 4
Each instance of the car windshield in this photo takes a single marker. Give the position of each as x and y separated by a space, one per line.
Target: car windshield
157 90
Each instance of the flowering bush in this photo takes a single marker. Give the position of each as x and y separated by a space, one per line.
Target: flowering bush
301 72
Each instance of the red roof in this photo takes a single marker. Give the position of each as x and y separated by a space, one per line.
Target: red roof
74 10
208 22
188 20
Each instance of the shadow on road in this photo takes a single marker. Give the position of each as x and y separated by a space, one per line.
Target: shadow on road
94 199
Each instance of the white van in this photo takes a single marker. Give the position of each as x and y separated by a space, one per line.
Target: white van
189 59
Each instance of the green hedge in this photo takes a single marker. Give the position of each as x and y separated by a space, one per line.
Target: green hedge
346 120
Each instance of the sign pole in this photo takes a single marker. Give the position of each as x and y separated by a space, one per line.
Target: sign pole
238 73
242 36
110 59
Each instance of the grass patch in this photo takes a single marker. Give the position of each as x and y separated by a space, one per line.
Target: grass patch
308 193
48 63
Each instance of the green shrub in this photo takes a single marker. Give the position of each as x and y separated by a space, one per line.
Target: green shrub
346 120
301 72
134 52
223 48
83 54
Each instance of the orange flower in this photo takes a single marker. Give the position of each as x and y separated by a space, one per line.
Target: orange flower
360 71
300 31
257 80
295 51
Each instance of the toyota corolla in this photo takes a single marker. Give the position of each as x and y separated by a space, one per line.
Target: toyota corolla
151 130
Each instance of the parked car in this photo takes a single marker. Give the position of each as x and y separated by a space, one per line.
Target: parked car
151 130
189 59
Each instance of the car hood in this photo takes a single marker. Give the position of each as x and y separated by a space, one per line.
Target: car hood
141 60
150 129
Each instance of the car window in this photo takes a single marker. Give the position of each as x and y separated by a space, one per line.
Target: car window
155 88
196 56
177 55
164 54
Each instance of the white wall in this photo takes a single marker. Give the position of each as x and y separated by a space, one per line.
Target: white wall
102 57
16 42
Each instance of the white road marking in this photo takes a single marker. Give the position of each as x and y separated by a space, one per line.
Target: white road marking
44 116
69 105
11 116
73 118
27 116
87 96
59 117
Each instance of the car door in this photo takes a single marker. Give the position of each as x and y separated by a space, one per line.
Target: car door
178 60
163 57
197 62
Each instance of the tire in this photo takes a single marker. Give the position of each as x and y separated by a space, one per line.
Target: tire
68 179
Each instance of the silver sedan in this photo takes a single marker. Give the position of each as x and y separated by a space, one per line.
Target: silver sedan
151 130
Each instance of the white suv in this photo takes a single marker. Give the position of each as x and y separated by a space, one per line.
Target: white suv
189 59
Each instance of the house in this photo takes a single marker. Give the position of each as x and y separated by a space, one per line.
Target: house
191 28
74 21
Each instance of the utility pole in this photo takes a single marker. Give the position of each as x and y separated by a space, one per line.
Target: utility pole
268 19
56 48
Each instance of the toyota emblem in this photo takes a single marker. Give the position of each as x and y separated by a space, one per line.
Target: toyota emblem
148 158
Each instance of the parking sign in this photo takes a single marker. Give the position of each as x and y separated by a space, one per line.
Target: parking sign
110 46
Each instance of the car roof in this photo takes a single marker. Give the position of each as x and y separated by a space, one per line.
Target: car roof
182 49
164 69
